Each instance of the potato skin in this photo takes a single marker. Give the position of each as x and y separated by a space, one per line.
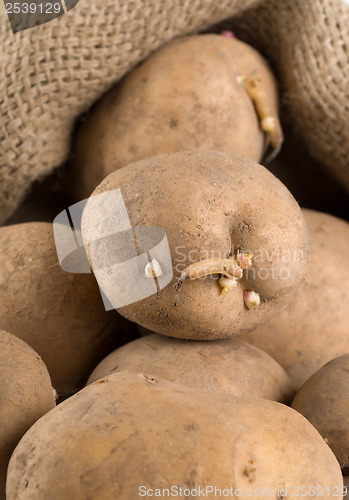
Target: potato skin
314 328
59 314
324 401
186 96
209 203
127 430
26 394
230 366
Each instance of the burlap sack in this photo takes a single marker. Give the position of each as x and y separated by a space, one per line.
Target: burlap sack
52 73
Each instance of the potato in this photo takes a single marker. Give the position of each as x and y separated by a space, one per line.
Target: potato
127 432
25 395
229 366
215 209
59 314
196 93
324 401
314 328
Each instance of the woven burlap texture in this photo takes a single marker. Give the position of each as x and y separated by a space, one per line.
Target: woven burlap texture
52 73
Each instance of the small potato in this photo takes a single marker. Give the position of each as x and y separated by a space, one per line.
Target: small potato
224 217
324 401
314 328
59 314
196 93
126 433
229 366
26 394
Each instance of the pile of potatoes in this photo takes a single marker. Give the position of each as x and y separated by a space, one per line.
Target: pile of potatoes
204 350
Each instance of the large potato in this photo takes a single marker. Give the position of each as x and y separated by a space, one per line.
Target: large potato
314 328
214 208
59 314
324 401
25 395
192 94
228 365
127 433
